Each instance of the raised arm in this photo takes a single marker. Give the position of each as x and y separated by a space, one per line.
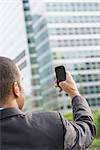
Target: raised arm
79 134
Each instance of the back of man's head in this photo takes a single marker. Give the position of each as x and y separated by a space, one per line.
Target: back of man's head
8 75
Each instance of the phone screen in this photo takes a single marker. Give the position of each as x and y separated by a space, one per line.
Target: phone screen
60 73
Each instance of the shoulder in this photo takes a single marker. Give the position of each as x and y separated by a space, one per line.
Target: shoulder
43 115
49 118
47 122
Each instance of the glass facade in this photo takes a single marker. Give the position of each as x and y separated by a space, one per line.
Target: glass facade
72 6
73 19
78 45
74 31
73 40
78 54
13 40
35 82
44 58
68 33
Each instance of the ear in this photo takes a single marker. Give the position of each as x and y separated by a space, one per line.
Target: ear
15 89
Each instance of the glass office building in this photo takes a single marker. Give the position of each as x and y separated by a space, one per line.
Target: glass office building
40 35
17 42
13 40
68 33
36 98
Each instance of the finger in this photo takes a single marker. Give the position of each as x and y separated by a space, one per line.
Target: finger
60 90
55 84
68 76
61 83
64 85
55 81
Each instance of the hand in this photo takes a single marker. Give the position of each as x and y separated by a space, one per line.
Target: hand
69 86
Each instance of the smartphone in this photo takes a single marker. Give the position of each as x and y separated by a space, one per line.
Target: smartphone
60 74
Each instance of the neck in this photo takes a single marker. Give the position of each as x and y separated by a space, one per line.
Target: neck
9 104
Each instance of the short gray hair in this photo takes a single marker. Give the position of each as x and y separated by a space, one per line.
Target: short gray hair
8 75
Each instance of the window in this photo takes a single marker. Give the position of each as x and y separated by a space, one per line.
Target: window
84 6
42 37
33 60
26 8
73 19
31 40
42 49
74 31
31 50
20 56
34 71
76 42
35 82
22 65
28 17
29 29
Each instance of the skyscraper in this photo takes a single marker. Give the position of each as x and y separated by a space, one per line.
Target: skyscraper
13 40
36 99
68 33
40 35
17 42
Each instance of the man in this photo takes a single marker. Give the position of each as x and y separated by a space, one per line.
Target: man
45 130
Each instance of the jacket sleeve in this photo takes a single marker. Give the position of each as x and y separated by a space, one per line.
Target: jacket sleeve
79 134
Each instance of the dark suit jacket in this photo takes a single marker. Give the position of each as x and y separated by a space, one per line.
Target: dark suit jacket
46 130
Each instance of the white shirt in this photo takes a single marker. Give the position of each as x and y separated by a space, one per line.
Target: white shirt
1 108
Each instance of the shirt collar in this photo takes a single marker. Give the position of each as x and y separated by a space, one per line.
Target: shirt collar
1 108
7 112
